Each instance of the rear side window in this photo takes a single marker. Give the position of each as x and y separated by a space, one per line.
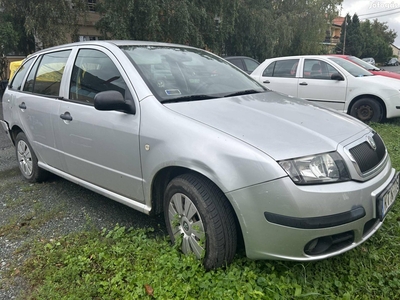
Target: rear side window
282 68
45 76
237 62
20 75
95 72
251 65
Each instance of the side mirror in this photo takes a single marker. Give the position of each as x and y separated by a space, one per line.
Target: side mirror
337 76
113 100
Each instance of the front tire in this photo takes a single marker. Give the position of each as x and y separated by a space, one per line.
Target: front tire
199 216
367 110
27 160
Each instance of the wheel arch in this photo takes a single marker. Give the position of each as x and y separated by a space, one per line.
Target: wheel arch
380 101
14 132
160 182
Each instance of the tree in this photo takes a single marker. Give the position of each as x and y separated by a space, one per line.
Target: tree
8 38
384 38
308 21
351 41
258 28
48 22
366 39
203 24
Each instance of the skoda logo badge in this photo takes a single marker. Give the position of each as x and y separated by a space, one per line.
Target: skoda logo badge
371 142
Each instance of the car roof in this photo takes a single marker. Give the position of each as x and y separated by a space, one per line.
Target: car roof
238 56
107 43
305 56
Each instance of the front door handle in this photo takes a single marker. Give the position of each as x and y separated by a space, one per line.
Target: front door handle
22 105
303 83
266 81
66 116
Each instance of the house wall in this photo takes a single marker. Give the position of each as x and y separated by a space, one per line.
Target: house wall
396 51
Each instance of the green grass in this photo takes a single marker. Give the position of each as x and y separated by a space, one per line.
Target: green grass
137 264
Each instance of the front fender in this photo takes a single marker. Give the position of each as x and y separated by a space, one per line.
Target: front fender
178 141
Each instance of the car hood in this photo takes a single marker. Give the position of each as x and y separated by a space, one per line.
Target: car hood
280 126
386 73
379 81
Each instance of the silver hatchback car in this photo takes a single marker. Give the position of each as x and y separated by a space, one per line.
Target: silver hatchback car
172 129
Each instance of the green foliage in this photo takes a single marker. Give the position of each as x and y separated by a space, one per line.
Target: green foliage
378 38
366 39
255 28
354 39
50 22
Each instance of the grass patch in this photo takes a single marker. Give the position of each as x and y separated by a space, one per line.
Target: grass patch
133 264
9 173
20 226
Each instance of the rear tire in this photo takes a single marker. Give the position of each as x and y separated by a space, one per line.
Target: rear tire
27 160
199 216
367 110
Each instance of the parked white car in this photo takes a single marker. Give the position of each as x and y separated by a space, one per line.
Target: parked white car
333 82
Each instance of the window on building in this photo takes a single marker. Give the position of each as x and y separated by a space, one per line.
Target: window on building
92 5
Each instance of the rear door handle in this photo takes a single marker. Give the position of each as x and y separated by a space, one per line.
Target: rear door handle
66 116
303 83
266 81
22 105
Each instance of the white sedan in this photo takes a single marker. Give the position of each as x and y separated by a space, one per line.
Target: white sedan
333 82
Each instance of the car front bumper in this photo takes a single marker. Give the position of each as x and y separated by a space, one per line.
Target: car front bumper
281 220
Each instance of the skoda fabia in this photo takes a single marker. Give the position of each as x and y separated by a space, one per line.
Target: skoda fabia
172 129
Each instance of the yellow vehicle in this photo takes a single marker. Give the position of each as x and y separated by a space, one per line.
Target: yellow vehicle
14 65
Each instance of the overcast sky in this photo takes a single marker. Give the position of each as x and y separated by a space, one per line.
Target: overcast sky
384 10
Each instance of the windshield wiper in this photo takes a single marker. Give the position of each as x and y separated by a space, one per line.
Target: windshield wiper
188 98
245 92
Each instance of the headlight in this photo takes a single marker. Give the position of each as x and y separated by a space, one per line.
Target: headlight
320 168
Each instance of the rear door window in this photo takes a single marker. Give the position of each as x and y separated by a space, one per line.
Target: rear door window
45 76
282 68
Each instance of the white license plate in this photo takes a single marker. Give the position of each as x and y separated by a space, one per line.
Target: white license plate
387 197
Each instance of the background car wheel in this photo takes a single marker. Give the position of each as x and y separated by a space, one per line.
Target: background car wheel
27 160
199 216
367 110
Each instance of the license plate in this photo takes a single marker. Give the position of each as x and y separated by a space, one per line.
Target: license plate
386 199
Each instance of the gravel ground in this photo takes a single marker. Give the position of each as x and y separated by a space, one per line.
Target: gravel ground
30 212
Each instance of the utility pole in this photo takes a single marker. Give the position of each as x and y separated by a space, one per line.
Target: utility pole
345 29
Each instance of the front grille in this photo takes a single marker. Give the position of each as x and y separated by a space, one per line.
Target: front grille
366 157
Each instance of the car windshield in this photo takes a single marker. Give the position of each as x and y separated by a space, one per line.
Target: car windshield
350 67
363 63
186 74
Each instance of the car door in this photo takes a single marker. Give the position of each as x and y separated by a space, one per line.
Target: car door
280 76
38 104
100 147
316 84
